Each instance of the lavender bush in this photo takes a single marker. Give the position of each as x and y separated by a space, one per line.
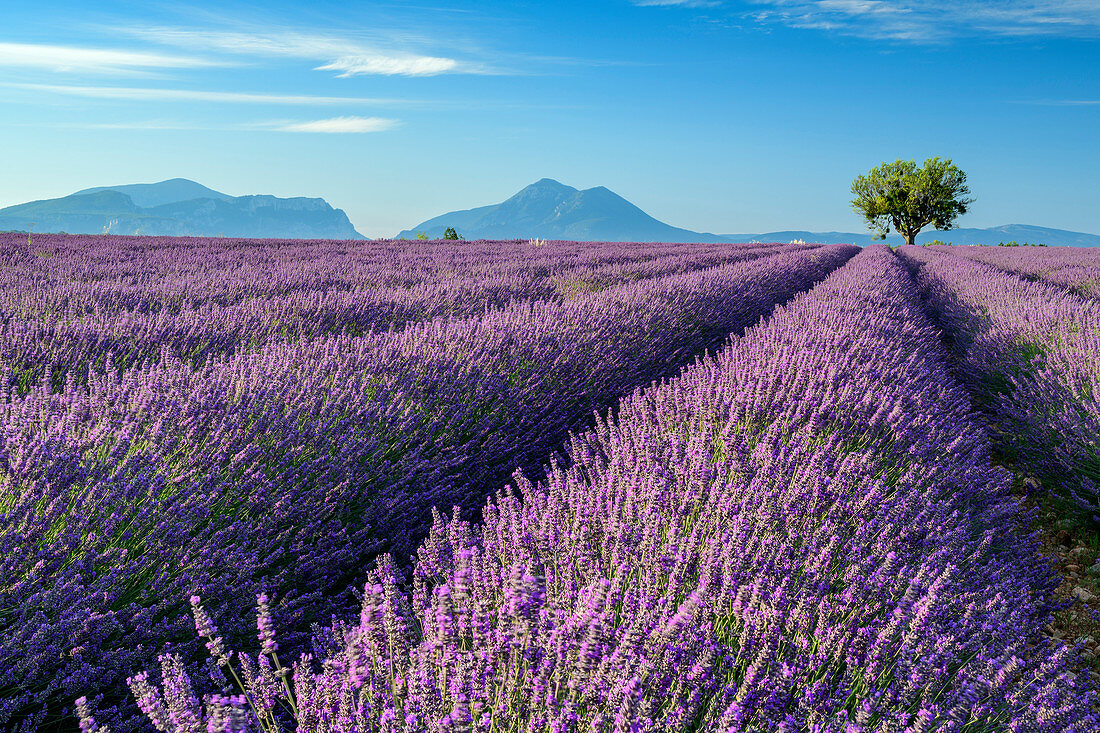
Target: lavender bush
108 304
803 533
1031 353
1075 268
290 465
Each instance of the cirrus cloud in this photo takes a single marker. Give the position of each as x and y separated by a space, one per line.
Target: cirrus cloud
330 125
390 65
151 94
931 21
349 55
339 125
678 3
92 60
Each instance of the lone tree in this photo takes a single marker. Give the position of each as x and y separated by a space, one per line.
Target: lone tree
450 233
910 198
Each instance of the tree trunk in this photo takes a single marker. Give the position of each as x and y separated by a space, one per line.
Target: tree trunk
908 237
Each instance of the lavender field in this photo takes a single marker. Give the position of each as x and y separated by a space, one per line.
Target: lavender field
329 486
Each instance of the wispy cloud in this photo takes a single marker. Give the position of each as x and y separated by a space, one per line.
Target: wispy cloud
153 94
199 95
147 125
390 65
678 3
1062 102
930 21
279 42
346 54
340 125
91 60
331 125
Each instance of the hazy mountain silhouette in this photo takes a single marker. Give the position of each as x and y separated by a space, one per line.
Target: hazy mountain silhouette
551 210
179 207
1019 233
546 209
171 191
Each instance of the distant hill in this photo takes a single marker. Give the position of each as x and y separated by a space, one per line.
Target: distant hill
551 210
172 191
1019 233
179 207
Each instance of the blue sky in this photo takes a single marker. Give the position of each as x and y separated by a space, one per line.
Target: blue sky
728 117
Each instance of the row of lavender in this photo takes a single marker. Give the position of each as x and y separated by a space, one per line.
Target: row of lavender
292 465
1030 352
804 533
148 274
1074 268
54 328
230 265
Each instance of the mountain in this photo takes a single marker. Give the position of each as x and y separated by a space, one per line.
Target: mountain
1019 233
551 210
179 207
171 191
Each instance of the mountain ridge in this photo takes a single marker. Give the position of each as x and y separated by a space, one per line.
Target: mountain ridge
1019 233
173 190
548 209
180 207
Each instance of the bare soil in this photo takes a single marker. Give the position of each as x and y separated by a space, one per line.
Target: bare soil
1072 550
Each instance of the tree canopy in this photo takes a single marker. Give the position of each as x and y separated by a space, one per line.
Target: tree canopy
909 198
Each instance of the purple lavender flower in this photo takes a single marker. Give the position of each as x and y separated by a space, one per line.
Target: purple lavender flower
263 624
802 532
